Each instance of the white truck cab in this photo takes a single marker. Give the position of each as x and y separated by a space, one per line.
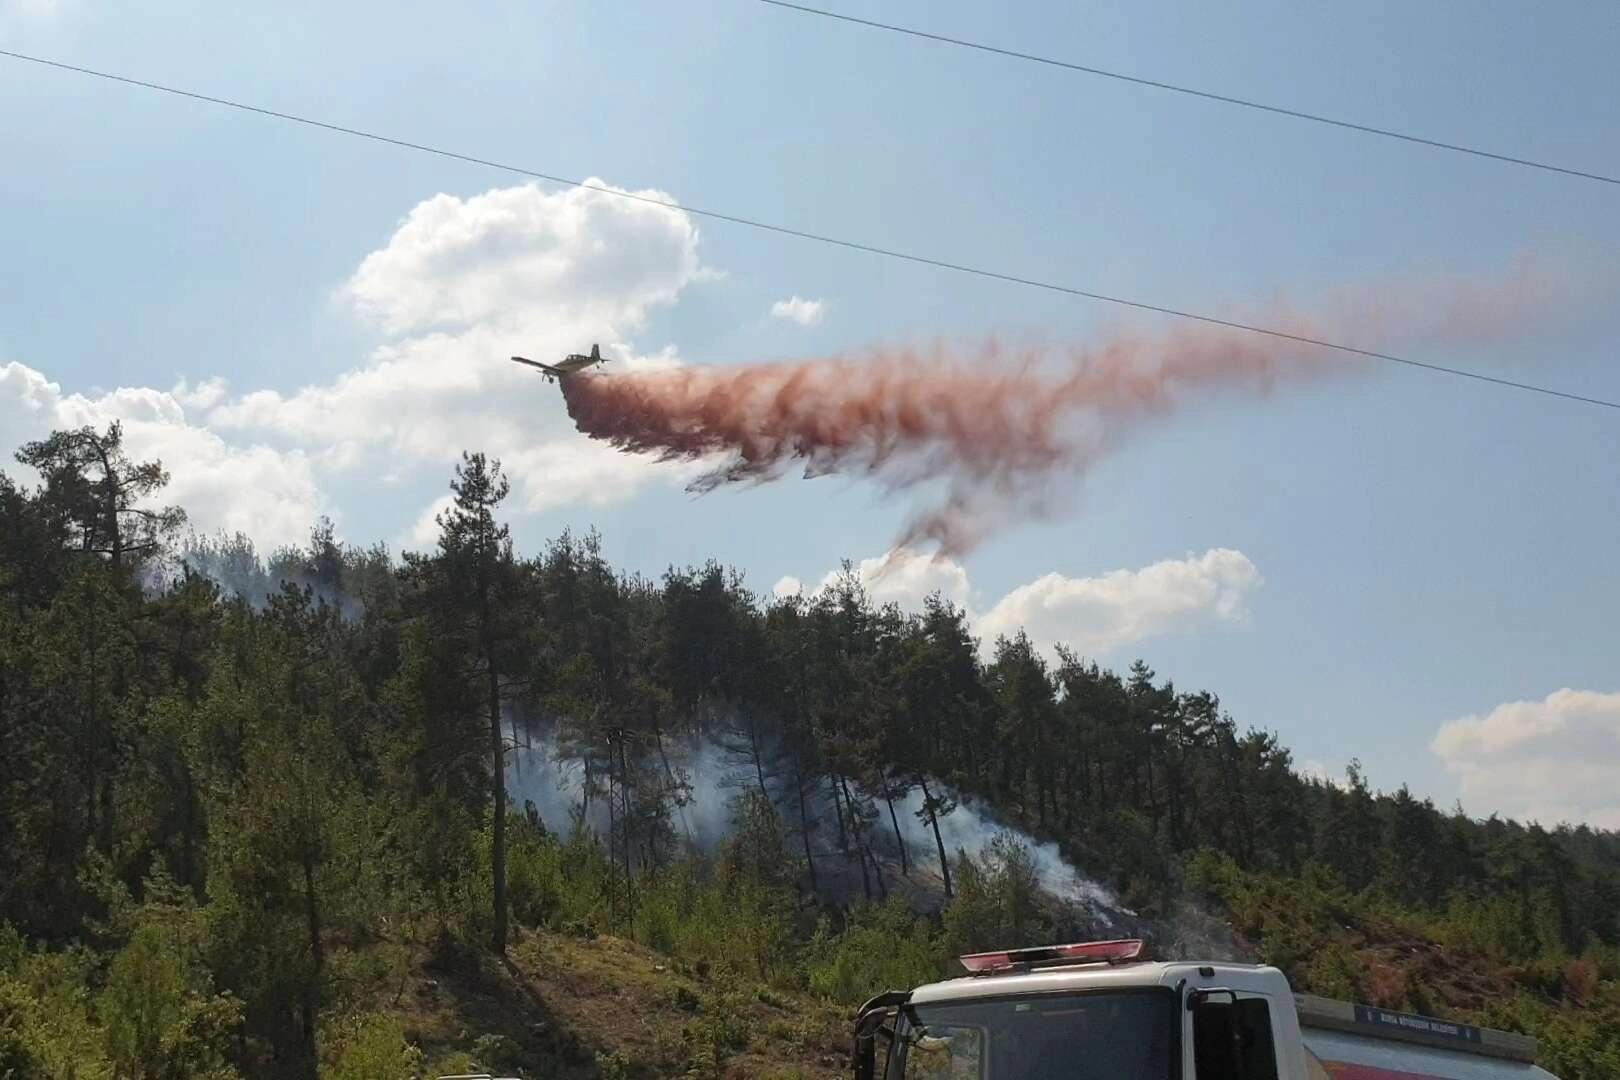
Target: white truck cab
1098 1011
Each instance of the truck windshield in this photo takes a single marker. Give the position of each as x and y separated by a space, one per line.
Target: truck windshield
1089 1036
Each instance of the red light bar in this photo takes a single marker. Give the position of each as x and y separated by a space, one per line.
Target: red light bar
1111 951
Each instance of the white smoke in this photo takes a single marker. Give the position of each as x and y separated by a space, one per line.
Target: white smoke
233 563
711 776
972 828
705 818
555 784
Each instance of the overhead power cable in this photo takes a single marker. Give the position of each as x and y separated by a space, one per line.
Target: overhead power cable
1208 95
783 230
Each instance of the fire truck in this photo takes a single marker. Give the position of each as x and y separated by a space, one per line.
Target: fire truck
1102 1011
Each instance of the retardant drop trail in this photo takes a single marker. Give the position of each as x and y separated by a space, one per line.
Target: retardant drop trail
994 427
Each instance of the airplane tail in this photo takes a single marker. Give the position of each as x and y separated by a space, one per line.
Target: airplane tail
596 352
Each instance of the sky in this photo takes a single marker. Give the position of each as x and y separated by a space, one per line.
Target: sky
1409 569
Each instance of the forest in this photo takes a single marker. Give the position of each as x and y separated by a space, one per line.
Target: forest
251 803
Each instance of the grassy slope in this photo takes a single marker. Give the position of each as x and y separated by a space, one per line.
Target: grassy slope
564 1006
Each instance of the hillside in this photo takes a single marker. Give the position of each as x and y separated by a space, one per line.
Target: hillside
249 829
584 1006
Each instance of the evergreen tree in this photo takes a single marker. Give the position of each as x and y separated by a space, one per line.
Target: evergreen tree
99 494
471 599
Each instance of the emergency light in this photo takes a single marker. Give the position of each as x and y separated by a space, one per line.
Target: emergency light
1112 952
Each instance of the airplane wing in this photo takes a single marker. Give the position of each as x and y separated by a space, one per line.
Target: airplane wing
547 368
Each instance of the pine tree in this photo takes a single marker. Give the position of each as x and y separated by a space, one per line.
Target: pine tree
473 604
100 494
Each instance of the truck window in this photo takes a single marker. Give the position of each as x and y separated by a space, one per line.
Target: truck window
1232 1041
1092 1035
947 1053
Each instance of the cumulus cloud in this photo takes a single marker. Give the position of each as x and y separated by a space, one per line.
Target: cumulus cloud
1092 615
460 285
903 577
795 310
1098 613
267 493
584 256
1552 761
204 395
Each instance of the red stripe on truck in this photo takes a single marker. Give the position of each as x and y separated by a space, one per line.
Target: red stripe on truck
1344 1070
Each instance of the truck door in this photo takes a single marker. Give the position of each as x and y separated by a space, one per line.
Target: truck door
1232 1037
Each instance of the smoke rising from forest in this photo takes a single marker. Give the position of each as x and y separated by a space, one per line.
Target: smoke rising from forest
998 424
334 573
713 776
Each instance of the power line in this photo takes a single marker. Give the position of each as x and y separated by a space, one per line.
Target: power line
1208 95
783 230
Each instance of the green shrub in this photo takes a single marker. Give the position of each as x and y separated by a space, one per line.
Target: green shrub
884 946
369 1046
454 1063
614 1066
17 1056
1332 973
494 1051
145 996
997 902
197 1046
45 1017
713 1036
706 921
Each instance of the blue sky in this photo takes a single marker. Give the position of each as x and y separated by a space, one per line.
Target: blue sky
1425 551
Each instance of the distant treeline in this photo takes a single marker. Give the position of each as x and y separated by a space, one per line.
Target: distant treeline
262 787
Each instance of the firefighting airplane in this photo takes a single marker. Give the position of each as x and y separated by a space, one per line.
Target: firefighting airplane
570 364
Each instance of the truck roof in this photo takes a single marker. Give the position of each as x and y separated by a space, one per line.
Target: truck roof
1369 1021
1256 978
1345 1017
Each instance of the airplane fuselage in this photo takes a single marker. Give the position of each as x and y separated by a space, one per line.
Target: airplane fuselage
570 364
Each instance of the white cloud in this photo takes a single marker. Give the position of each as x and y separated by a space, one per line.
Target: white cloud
462 284
465 283
583 256
269 494
1093 615
424 534
205 395
903 577
803 312
1315 770
576 471
1553 760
